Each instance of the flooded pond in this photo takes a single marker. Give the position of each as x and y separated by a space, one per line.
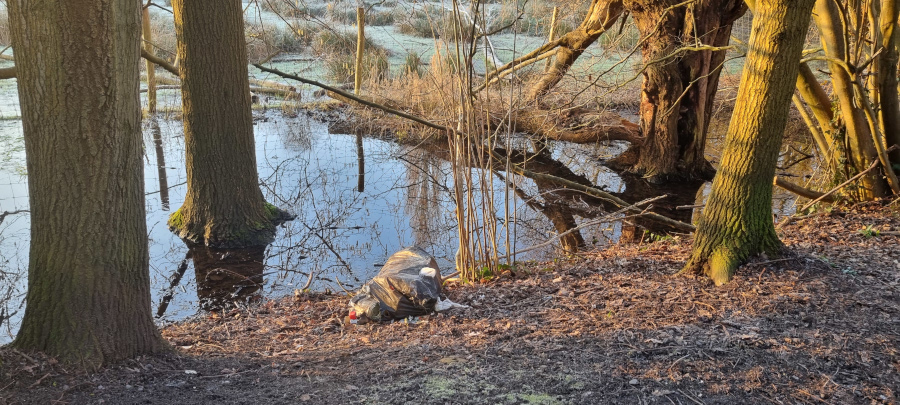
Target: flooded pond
357 199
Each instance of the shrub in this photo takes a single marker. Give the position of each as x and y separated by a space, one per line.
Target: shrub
329 42
339 67
292 9
430 22
264 40
627 40
413 65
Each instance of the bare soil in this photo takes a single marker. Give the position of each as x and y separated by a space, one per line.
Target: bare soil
821 325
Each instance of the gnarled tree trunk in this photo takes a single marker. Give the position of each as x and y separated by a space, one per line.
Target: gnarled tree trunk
679 85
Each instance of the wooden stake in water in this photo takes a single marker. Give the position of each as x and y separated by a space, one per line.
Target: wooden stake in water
360 48
552 35
151 68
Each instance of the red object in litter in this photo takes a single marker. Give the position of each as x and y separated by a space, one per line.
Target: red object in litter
352 315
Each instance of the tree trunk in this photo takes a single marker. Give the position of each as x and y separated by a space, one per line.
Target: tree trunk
88 278
887 77
224 206
858 142
679 87
737 221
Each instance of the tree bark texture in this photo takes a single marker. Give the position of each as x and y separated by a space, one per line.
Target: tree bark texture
224 206
889 113
679 86
88 299
737 221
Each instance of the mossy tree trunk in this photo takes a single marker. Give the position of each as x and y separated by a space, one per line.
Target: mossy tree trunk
737 220
224 206
88 299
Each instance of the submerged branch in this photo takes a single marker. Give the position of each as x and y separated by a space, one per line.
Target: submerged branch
605 218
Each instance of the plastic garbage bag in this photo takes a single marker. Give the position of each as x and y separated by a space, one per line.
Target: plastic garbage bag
409 284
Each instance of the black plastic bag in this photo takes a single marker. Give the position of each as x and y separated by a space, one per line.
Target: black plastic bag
409 284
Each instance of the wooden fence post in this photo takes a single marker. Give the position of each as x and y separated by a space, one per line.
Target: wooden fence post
360 48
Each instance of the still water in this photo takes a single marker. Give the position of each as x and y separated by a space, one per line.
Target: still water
357 200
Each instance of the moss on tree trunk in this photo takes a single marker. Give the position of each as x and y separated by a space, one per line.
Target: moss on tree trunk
88 273
224 206
737 220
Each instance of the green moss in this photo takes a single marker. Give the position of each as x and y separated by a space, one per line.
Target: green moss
176 221
440 388
722 264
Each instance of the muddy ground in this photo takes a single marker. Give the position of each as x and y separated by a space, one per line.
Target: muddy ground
612 326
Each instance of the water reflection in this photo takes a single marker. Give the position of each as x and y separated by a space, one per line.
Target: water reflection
679 204
227 277
160 163
361 159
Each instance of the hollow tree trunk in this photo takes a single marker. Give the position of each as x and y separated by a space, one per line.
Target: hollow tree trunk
601 15
679 86
737 221
88 273
224 206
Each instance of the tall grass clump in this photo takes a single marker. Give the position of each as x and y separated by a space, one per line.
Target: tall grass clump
338 49
430 22
292 8
413 65
264 40
5 39
373 18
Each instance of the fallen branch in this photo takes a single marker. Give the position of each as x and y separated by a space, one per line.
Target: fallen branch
8 73
537 176
842 185
160 62
802 191
871 167
535 123
681 226
352 97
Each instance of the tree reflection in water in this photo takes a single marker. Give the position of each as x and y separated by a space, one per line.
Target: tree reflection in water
227 277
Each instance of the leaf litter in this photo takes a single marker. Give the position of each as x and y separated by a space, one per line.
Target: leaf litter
820 325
